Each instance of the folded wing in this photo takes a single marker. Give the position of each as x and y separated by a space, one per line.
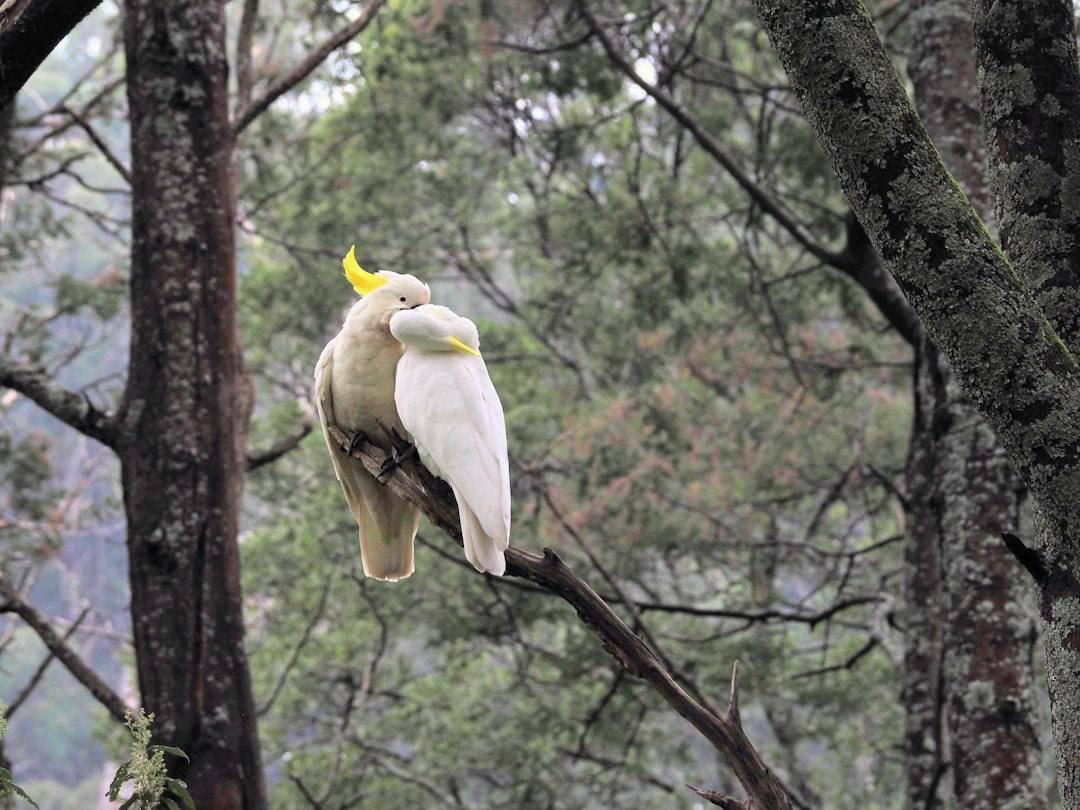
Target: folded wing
448 404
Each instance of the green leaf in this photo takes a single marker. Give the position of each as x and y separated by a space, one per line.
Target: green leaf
170 749
18 791
129 803
169 803
118 781
179 788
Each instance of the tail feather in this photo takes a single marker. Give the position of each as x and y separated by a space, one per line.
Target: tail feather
481 549
387 523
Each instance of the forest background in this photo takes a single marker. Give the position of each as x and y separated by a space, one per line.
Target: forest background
722 413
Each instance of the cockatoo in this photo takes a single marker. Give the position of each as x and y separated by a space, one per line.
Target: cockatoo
354 387
446 401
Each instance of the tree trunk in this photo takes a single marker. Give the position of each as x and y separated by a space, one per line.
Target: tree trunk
972 494
1033 135
924 731
187 403
1005 349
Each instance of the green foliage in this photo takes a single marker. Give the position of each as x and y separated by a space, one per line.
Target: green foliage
688 407
8 788
145 772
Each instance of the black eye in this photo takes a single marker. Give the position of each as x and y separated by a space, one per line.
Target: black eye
402 299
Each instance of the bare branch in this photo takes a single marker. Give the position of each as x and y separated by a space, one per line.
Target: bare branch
720 799
733 696
304 69
82 672
857 260
245 76
278 448
73 409
39 673
415 484
711 146
103 147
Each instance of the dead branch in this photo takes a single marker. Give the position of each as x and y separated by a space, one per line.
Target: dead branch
39 673
434 498
13 603
278 448
69 407
304 69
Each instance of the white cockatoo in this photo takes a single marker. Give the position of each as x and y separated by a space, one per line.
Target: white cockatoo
354 386
447 402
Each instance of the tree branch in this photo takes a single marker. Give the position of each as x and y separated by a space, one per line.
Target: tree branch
39 673
70 408
103 147
973 305
29 31
415 484
304 69
1028 557
857 260
711 147
82 672
278 448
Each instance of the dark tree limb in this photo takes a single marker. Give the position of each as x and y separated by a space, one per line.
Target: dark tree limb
102 692
1028 557
858 260
99 142
29 30
720 799
70 408
39 673
287 82
433 497
278 448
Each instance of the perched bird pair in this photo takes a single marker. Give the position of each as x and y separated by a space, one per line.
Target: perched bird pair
416 367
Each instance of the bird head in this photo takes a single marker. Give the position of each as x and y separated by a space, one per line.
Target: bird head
384 293
434 328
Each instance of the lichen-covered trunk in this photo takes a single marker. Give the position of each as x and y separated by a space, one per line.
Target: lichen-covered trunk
187 403
972 494
1009 353
1030 88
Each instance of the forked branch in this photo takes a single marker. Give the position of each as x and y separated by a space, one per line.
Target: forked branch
11 602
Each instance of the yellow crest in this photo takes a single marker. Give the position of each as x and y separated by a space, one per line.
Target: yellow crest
362 281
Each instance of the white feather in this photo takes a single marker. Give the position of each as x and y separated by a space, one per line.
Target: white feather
445 399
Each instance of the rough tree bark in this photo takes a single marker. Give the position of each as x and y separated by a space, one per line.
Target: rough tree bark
1004 348
964 496
1030 89
187 402
925 752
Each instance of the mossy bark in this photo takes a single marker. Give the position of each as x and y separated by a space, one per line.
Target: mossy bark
971 493
1019 373
187 403
1030 89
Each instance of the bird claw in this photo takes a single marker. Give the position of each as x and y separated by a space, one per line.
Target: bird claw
357 439
395 460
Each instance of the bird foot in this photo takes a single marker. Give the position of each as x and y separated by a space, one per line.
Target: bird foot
396 460
357 439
